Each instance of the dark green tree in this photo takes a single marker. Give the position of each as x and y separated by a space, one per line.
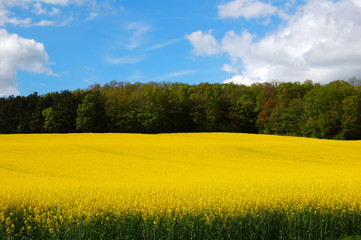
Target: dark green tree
199 110
288 117
49 121
151 111
91 115
266 104
8 120
122 106
324 110
247 114
351 118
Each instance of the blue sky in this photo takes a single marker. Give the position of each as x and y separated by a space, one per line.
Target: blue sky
53 45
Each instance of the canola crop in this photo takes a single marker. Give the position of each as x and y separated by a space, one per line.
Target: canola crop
178 186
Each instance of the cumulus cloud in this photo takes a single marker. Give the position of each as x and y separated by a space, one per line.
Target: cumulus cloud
17 53
204 43
238 79
357 2
321 41
246 8
237 45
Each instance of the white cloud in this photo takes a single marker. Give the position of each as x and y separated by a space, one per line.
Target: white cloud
266 22
61 2
107 7
320 41
17 53
165 44
136 76
8 91
45 23
172 75
230 69
54 11
50 9
357 3
26 3
7 17
238 79
122 60
138 34
40 10
204 44
180 73
246 8
64 22
93 15
236 45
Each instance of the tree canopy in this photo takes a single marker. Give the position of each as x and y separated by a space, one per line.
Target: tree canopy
307 109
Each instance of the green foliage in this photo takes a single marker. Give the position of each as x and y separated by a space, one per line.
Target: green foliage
8 116
289 116
263 224
351 117
65 106
91 115
330 111
352 238
49 122
151 111
246 112
324 110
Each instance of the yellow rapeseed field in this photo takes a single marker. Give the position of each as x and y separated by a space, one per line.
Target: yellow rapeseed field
75 178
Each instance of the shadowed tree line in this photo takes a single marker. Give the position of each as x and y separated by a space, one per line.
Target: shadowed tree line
330 111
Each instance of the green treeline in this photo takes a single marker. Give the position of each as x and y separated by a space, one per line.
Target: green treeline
307 109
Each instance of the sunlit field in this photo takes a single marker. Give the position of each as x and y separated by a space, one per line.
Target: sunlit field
178 186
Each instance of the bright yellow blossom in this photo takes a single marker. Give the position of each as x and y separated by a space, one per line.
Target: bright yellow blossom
61 178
